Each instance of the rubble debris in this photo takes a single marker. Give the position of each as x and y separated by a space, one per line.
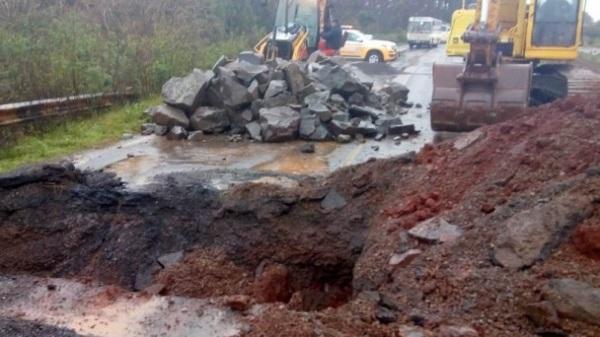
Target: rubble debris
436 230
326 95
186 93
533 234
210 120
405 258
279 124
169 117
574 299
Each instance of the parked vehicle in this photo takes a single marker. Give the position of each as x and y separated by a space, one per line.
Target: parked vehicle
362 46
424 32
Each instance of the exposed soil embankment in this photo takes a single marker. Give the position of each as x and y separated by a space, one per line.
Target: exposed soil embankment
492 234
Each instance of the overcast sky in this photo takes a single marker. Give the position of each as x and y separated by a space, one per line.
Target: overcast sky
593 8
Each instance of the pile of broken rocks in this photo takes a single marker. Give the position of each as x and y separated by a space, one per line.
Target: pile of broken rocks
274 101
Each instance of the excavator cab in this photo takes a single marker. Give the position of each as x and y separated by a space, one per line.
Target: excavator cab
297 29
498 81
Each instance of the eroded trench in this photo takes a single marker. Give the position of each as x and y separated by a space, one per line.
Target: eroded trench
180 238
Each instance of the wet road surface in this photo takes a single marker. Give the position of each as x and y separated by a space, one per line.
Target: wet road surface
140 160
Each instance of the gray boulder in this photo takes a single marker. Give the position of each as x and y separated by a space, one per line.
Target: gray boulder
275 88
308 126
397 92
574 299
227 92
169 116
253 129
210 120
533 234
187 93
321 134
251 57
295 78
367 129
279 124
340 81
282 99
247 72
341 128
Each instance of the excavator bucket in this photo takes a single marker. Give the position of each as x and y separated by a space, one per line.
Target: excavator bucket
459 104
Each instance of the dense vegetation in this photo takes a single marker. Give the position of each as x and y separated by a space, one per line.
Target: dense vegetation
51 48
62 47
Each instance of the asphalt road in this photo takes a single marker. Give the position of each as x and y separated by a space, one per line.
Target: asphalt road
220 163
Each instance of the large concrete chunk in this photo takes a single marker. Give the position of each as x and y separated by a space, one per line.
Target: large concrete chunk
575 300
294 78
187 93
279 124
340 81
247 72
227 92
210 120
168 116
533 234
275 88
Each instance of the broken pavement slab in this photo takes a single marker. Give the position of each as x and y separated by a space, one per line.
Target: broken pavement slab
436 230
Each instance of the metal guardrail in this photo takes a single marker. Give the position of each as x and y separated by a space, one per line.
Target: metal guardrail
17 113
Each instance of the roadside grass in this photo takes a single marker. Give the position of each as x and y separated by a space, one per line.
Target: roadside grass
60 139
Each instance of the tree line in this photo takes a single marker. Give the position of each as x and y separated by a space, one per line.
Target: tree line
53 48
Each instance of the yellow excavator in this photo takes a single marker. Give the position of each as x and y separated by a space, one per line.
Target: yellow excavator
297 30
517 49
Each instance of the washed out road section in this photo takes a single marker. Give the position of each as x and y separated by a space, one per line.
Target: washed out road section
139 160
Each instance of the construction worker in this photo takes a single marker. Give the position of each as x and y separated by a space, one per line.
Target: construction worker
333 38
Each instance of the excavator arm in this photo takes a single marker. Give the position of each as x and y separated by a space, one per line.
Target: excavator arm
483 90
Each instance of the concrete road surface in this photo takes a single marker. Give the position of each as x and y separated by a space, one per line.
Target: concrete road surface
221 163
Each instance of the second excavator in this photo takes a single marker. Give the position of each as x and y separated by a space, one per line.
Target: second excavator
517 49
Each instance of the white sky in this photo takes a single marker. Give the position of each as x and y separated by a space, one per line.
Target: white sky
593 8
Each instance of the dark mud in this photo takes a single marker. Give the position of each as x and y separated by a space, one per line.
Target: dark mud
59 222
16 328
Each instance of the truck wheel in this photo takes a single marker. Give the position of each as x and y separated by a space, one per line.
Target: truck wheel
374 57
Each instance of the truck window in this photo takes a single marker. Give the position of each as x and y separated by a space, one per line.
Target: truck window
420 27
555 23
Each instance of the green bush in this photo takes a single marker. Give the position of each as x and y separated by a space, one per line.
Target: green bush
58 50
